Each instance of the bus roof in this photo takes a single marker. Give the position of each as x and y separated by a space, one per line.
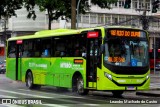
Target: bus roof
47 33
61 32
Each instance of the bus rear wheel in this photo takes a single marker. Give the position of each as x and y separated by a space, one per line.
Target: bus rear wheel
117 93
80 87
29 80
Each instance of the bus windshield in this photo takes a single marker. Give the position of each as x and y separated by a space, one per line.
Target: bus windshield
126 52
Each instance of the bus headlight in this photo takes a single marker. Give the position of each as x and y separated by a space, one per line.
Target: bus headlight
147 76
108 75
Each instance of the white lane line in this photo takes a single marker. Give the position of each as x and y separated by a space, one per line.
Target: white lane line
50 93
61 95
92 105
10 105
54 105
31 95
48 105
7 96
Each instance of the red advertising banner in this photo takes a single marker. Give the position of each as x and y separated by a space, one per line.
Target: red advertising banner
1 51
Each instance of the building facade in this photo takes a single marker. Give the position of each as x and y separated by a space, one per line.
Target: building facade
117 15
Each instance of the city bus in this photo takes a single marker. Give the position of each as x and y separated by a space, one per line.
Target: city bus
107 58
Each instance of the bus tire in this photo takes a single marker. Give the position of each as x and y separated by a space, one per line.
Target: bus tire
29 80
117 93
80 87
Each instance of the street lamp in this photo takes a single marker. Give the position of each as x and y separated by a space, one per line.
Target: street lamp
78 12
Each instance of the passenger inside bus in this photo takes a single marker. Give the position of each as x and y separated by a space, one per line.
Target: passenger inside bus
83 51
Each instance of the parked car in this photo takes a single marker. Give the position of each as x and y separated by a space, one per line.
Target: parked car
2 67
157 66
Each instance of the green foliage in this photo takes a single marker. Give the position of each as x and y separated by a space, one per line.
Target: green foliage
29 5
155 6
62 8
8 7
103 3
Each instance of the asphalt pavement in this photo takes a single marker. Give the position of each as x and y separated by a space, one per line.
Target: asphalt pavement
154 85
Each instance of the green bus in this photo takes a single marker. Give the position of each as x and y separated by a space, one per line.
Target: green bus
109 58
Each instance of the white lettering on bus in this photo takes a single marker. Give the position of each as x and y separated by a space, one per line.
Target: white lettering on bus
41 65
65 65
31 64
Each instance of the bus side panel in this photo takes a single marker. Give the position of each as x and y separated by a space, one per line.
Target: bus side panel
35 65
63 70
103 83
24 67
46 75
11 68
19 69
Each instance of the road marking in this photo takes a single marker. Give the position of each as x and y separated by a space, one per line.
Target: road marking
54 105
62 95
11 105
156 85
50 93
92 105
7 96
13 92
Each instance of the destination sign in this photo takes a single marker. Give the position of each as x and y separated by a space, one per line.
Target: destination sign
116 59
124 33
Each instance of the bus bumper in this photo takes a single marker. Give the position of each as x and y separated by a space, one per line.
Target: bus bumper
107 84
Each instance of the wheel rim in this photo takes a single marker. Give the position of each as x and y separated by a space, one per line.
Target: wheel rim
80 87
29 81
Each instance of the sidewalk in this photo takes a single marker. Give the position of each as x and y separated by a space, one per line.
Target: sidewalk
154 86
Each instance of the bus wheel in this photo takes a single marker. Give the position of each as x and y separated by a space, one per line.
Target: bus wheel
29 80
80 87
117 93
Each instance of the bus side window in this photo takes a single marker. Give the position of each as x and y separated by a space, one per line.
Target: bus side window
12 49
57 53
46 47
60 50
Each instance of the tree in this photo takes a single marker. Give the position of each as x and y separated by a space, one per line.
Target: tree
62 8
8 7
29 5
53 7
103 3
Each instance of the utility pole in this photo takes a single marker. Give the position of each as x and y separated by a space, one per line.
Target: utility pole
73 14
144 18
78 13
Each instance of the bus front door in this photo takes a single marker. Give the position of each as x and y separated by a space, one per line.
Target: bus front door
92 62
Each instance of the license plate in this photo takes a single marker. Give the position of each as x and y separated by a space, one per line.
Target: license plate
131 88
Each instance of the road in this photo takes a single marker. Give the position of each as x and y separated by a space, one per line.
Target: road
53 97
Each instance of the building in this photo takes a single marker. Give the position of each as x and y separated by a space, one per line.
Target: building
117 15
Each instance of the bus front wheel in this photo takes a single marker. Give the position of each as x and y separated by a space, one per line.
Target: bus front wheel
80 87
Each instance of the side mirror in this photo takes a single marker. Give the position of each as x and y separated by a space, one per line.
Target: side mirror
102 48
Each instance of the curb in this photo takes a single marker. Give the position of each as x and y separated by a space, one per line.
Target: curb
148 94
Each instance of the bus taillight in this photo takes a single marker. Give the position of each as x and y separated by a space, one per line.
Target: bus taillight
92 35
